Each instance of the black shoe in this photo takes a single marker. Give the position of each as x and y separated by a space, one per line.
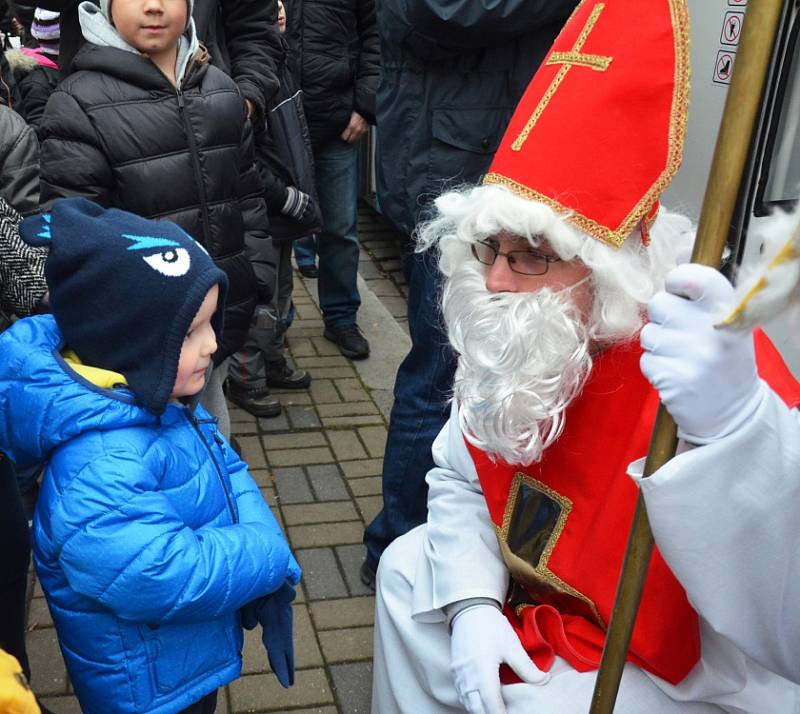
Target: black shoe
281 376
308 271
258 402
367 575
350 340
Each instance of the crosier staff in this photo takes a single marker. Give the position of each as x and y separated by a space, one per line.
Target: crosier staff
733 142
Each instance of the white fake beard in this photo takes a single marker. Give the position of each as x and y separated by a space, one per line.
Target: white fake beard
523 357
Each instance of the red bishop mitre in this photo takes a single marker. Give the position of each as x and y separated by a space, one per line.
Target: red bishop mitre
599 132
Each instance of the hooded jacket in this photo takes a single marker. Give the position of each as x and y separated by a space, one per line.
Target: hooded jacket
119 133
149 533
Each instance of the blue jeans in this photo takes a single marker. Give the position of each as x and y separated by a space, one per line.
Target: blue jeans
422 392
305 251
336 166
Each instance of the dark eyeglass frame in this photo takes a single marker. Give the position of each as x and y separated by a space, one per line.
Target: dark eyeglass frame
512 260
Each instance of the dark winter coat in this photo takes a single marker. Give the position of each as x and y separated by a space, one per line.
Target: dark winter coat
19 162
285 158
35 82
118 132
451 76
240 36
335 58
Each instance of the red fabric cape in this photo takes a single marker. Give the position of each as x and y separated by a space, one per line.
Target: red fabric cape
576 506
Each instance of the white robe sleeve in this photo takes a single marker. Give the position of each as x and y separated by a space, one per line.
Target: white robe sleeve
460 557
726 518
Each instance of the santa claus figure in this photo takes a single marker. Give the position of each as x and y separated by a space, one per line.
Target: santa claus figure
571 315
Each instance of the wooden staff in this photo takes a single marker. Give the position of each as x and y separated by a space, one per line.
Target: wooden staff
730 155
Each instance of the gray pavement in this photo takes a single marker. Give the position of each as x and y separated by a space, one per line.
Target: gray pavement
318 466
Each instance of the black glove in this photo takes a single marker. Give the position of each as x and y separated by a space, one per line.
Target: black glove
274 612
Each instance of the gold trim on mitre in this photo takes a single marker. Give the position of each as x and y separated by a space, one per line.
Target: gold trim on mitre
677 130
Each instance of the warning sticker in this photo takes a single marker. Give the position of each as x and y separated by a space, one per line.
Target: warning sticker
724 66
731 28
737 3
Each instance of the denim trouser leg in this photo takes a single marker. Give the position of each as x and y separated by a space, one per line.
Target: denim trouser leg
422 391
336 166
305 251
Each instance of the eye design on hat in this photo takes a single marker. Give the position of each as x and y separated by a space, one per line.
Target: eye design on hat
169 259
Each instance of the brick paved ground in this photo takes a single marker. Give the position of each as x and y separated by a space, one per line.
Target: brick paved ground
318 466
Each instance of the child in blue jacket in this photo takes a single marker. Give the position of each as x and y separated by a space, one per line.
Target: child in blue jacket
151 540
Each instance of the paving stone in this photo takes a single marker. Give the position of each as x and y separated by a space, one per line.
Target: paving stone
309 331
374 438
384 400
351 612
278 423
268 494
222 701
309 322
293 487
323 346
252 452
383 288
359 469
398 277
352 390
351 557
323 391
316 710
306 311
262 477
352 421
370 271
369 507
334 372
303 417
392 265
336 360
327 482
397 306
381 252
37 587
332 512
346 409
370 486
295 441
238 415
322 578
49 675
345 445
312 536
302 347
262 692
346 645
299 457
39 614
353 687
292 397
66 705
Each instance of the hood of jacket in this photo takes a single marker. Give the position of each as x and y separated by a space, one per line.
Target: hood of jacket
97 29
44 402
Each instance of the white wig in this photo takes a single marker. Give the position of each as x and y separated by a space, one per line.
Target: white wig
624 278
523 357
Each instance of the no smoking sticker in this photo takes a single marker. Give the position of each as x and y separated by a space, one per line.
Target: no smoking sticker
724 66
731 28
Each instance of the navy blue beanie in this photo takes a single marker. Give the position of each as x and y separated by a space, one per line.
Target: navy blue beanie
124 290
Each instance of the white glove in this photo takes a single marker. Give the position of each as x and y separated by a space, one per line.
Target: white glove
482 640
706 377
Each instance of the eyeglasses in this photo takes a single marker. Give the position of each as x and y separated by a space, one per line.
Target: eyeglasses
525 262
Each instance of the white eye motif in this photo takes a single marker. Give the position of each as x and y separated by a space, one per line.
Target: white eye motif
173 262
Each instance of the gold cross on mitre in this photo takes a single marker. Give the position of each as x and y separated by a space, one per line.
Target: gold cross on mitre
567 60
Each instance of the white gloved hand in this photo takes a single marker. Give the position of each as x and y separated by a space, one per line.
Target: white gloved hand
706 377
482 640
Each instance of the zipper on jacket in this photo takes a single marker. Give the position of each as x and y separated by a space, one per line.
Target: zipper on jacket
193 422
198 177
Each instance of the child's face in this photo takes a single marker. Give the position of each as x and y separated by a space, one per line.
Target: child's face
151 26
198 346
281 17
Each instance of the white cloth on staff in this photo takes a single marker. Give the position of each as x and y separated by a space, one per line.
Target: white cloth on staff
701 531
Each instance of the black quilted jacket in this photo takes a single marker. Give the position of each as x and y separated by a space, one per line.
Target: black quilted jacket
117 132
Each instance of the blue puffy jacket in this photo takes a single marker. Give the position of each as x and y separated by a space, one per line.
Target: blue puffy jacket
149 533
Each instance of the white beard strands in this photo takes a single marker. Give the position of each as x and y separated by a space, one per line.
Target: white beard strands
522 359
